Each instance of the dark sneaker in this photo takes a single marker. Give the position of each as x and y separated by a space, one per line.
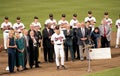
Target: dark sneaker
63 67
58 67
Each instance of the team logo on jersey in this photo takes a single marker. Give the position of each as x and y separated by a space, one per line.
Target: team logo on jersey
19 27
108 22
59 38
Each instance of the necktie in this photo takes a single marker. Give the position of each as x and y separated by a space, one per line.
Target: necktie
104 31
83 32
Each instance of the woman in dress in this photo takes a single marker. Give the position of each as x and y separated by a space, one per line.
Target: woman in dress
20 50
11 51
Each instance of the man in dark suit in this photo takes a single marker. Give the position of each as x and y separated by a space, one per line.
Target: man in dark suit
47 45
38 38
33 46
68 43
83 41
105 32
75 44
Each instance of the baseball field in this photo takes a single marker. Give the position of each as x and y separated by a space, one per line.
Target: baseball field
27 9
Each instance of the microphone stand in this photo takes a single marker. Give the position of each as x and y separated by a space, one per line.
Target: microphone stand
88 46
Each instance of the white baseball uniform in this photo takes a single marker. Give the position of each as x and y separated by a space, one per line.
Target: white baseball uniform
73 23
36 24
61 22
118 31
90 19
109 21
58 47
53 22
6 26
19 27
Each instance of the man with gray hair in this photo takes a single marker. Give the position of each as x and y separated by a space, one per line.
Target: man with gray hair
83 40
105 32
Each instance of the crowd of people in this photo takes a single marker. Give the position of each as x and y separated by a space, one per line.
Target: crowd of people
56 39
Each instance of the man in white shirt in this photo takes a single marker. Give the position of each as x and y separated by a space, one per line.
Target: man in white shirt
91 19
5 27
107 19
63 22
18 26
51 21
118 32
36 23
74 21
58 40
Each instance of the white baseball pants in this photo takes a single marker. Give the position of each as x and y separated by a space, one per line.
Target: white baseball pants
5 37
59 51
118 37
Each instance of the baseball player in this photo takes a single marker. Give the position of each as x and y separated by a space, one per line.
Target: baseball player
107 19
18 26
36 23
118 32
5 27
63 22
74 21
58 40
91 19
51 21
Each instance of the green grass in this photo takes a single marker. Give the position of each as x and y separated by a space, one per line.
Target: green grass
110 72
27 9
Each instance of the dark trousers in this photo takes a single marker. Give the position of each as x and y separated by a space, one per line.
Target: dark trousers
48 53
104 42
70 47
11 59
36 53
31 58
76 48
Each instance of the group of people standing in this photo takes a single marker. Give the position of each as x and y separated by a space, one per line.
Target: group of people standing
56 39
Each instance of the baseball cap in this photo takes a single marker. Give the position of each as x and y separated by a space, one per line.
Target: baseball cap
18 18
50 15
89 12
75 15
6 18
63 15
35 17
57 27
106 13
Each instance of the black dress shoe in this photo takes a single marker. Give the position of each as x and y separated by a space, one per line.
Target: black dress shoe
12 72
58 67
39 62
31 67
37 66
25 68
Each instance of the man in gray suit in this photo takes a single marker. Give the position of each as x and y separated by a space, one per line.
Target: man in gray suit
105 32
83 40
26 50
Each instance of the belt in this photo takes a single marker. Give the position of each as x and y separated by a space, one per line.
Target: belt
59 44
6 31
